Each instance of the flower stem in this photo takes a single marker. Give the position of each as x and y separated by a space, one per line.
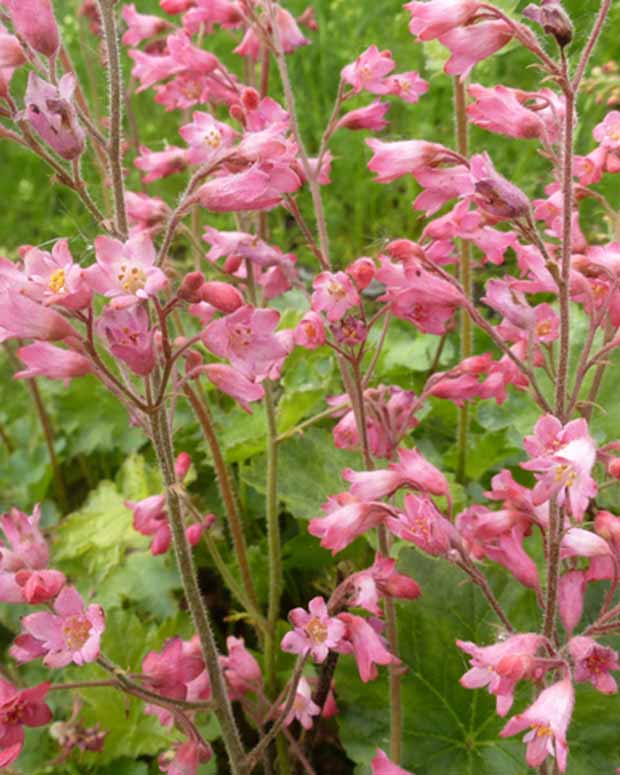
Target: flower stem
110 34
165 457
465 326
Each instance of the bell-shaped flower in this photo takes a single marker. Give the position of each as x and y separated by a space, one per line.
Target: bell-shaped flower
423 525
304 709
501 666
593 664
161 164
382 579
234 383
493 193
34 20
55 278
367 646
316 632
289 33
22 318
150 518
547 720
472 44
404 157
126 272
20 708
347 519
186 758
71 634
52 115
408 86
369 71
571 595
43 359
381 765
369 117
170 670
208 139
241 670
431 19
334 294
129 337
140 26
310 331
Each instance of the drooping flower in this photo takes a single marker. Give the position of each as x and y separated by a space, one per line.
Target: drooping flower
367 646
334 294
547 719
316 632
310 331
422 524
493 193
472 44
380 580
186 758
170 670
369 117
393 160
126 272
241 670
34 20
46 360
50 112
151 519
129 337
593 663
208 138
347 518
501 666
19 708
141 26
369 71
432 19
381 765
22 318
571 595
234 383
160 164
304 709
71 634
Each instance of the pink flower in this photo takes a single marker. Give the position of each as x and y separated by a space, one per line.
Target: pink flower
381 579
501 666
141 26
11 53
252 189
129 337
289 33
547 719
408 86
563 456
381 765
27 548
303 708
160 164
208 138
191 58
571 595
223 296
412 470
21 318
45 360
393 160
34 20
441 184
211 12
171 670
241 670
39 586
423 525
55 278
145 211
246 338
366 645
315 632
334 294
186 758
73 634
50 112
151 519
607 133
346 519
493 193
241 244
593 664
363 271
369 117
19 708
234 383
431 19
369 70
507 550
310 331
503 110
126 272
577 542
470 45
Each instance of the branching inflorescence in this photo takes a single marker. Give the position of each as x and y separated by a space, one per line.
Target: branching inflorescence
155 333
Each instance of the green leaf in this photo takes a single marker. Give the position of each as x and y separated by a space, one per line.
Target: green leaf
309 471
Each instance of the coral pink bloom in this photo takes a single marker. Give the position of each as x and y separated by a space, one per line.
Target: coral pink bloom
310 331
20 708
501 666
381 765
45 360
367 646
393 160
607 133
316 632
241 244
160 164
563 458
241 670
11 53
34 20
21 318
502 110
150 68
290 35
303 708
50 112
129 338
126 272
441 184
223 296
247 190
151 519
346 519
547 719
211 12
208 138
73 634
431 19
408 86
424 526
470 45
493 193
369 117
170 670
145 211
55 278
380 580
246 338
512 304
39 586
577 542
186 758
26 547
507 550
334 294
141 26
571 595
363 271
234 384
369 71
190 57
593 664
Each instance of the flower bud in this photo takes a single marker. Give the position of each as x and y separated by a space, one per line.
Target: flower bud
190 289
553 19
222 296
34 20
182 465
613 468
11 52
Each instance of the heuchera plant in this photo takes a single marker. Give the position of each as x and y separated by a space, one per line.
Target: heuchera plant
155 333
